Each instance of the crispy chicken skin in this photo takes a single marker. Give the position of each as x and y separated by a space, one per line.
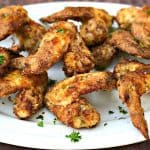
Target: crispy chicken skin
133 81
29 101
125 66
32 89
131 87
103 55
75 13
95 22
6 54
78 59
65 102
30 34
141 32
11 18
125 42
94 31
5 60
52 48
80 14
126 16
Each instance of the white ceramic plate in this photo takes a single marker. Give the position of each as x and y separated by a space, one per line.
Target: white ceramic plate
28 134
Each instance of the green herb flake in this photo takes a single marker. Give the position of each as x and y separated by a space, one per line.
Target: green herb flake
105 124
51 82
40 124
100 68
121 110
54 121
2 58
4 15
121 118
40 117
74 136
148 12
110 112
112 29
60 31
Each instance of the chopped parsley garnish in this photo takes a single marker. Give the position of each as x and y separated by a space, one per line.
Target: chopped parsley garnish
40 117
2 58
105 124
54 121
4 15
121 118
40 123
100 68
121 110
51 82
148 12
110 112
112 29
60 30
74 136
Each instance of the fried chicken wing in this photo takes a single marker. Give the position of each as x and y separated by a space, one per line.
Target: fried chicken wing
125 66
29 101
11 18
52 48
126 16
80 14
30 35
78 59
103 54
75 13
32 89
141 32
131 87
5 57
95 22
65 102
124 41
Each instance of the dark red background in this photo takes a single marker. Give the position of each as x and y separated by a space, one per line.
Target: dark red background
141 146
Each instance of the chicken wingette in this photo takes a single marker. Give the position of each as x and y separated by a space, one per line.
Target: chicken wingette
95 22
30 35
11 19
32 89
124 41
65 101
52 48
133 80
78 59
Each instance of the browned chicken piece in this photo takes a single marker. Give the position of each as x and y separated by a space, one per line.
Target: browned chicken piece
94 31
95 22
75 13
103 55
30 35
80 14
125 42
78 59
11 18
52 48
29 101
32 89
131 87
64 100
126 16
125 66
6 55
4 60
141 32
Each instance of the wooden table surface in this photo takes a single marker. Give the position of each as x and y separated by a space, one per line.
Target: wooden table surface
140 146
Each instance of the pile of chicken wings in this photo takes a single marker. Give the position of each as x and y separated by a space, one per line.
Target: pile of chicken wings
93 45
